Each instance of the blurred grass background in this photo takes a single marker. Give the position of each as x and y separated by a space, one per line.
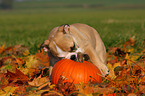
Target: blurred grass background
29 22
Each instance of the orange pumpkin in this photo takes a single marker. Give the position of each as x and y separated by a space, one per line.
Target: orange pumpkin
75 72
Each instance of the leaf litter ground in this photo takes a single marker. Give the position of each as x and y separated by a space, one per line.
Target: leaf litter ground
26 74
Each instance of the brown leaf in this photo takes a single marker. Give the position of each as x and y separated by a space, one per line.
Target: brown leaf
128 88
100 90
21 90
3 80
40 81
18 76
85 90
18 50
119 52
142 88
43 59
67 87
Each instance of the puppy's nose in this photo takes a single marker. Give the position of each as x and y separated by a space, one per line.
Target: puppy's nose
73 57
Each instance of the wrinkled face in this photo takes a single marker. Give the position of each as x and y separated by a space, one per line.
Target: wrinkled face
65 42
61 44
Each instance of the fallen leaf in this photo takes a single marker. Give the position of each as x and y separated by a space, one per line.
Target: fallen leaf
111 70
112 94
32 61
7 91
142 88
130 42
132 94
21 91
119 52
100 90
67 87
85 90
46 92
43 59
40 82
2 48
18 76
3 80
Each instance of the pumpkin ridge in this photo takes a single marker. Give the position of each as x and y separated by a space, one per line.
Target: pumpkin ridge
79 71
95 76
73 72
86 72
68 69
62 67
89 72
57 68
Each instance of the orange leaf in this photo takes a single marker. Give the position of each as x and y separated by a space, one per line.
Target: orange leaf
43 58
110 94
17 60
130 42
2 49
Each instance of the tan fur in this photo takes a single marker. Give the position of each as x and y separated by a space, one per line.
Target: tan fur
87 39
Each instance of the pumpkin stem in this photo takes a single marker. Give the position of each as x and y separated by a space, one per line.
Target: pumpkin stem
79 57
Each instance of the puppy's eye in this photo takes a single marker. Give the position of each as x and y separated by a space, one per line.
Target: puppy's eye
73 57
86 57
73 48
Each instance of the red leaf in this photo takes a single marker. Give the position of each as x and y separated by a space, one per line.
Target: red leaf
18 76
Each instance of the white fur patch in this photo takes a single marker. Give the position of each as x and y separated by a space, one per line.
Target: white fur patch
64 54
68 56
61 53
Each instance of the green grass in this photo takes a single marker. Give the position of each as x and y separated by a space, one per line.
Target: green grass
80 3
31 27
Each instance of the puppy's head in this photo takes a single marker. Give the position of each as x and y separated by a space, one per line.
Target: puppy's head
61 43
64 39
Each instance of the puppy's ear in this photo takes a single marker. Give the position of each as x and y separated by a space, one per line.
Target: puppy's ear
64 28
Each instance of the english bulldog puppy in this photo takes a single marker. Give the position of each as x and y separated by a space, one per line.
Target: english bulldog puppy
66 41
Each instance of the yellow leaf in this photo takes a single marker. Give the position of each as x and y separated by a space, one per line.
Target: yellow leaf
52 86
7 91
24 70
31 61
111 70
131 50
26 52
46 93
127 57
132 58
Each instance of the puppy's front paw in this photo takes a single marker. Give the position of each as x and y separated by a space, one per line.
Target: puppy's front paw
104 70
